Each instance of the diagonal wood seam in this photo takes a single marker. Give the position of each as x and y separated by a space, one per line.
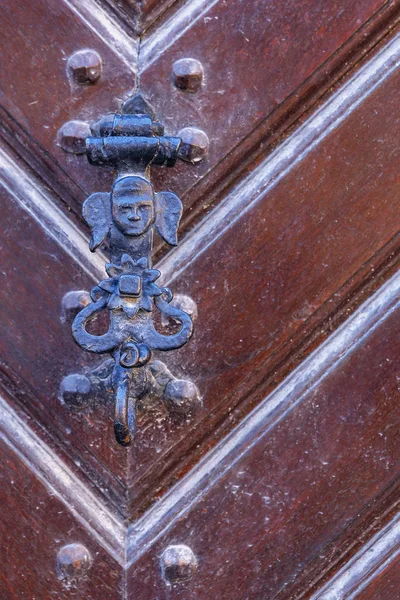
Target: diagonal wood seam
153 46
285 158
367 564
38 202
108 29
127 543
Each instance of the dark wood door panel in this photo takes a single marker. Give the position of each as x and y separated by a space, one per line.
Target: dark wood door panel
385 586
264 63
331 194
36 348
139 15
38 97
34 526
284 496
271 268
372 573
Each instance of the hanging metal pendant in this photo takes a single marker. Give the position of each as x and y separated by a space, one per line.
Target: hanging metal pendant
127 216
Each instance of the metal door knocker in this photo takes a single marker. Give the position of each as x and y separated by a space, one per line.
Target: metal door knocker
127 216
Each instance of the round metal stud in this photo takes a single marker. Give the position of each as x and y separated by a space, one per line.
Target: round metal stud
185 303
188 74
194 146
85 67
76 390
73 562
72 136
72 303
178 563
181 396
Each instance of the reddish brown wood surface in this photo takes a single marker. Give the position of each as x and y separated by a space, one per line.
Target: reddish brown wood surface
373 570
342 196
37 96
299 236
34 525
37 349
139 15
276 274
385 586
265 98
296 484
264 63
154 12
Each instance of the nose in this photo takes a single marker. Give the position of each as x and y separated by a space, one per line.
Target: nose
133 215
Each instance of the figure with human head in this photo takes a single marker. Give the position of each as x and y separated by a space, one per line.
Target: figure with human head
132 207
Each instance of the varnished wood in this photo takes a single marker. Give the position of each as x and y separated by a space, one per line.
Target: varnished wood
266 511
286 478
253 130
42 258
372 573
260 242
386 585
38 97
34 525
267 251
270 69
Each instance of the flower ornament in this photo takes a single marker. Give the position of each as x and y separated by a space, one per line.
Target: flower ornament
130 287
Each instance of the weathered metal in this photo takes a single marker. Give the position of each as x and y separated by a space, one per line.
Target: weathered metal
127 216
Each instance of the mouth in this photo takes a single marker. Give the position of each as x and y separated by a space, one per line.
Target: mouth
135 227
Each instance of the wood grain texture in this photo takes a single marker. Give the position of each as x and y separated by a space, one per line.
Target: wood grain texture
34 525
339 190
265 65
372 573
271 268
255 120
386 585
37 96
88 508
139 15
269 508
42 259
154 12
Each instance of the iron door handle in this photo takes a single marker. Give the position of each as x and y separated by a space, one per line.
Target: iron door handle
127 216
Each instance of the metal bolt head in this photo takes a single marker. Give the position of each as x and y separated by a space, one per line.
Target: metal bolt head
194 146
187 74
73 562
181 396
85 67
178 563
183 302
72 303
75 391
72 136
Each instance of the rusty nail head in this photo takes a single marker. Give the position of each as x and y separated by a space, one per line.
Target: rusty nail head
72 136
194 146
187 74
73 562
85 67
178 563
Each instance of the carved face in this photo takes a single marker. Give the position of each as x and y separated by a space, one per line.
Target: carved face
132 205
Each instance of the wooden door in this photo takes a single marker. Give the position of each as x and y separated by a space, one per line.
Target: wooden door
284 483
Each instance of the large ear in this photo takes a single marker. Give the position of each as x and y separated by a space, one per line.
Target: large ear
168 214
96 211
